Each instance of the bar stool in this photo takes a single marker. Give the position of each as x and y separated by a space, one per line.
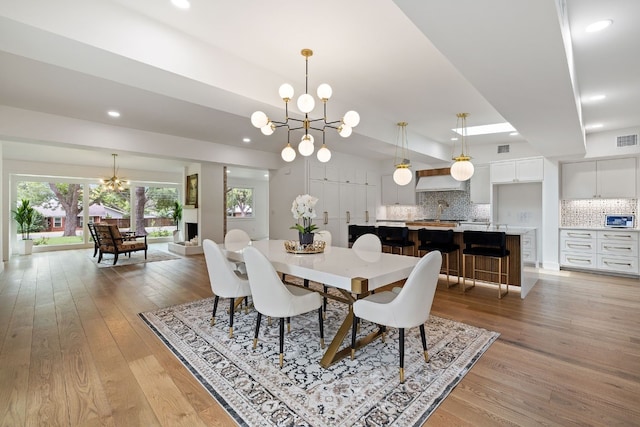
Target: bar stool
440 240
356 231
396 237
491 245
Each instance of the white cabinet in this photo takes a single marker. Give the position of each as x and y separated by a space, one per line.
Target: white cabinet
328 206
480 185
613 178
529 247
604 250
520 170
394 194
320 171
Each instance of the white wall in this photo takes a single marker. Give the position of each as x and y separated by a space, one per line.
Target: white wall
518 204
284 185
211 202
257 226
548 237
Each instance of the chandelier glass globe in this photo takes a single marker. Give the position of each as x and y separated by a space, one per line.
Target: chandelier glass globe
324 155
462 170
306 146
402 175
288 153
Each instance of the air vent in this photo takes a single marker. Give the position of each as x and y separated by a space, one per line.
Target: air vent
627 140
503 148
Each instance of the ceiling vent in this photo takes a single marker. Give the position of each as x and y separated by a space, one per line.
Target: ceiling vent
503 149
627 140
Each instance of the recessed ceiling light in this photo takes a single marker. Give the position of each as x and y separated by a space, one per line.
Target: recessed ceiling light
487 129
514 134
246 139
266 175
454 139
595 126
598 26
181 4
113 113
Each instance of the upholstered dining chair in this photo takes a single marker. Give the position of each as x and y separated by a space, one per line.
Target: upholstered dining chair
224 281
273 298
367 242
406 309
236 239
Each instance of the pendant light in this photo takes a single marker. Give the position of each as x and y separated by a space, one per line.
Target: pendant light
462 169
114 183
402 175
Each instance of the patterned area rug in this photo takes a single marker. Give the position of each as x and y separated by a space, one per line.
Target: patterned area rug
136 258
363 392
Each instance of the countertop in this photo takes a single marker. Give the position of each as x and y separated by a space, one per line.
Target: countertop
599 228
510 230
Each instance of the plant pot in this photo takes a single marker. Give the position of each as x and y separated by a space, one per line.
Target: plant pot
25 247
305 238
177 238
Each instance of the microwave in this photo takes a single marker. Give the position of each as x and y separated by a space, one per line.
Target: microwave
619 221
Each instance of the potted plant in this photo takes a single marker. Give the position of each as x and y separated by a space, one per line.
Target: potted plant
24 215
303 207
176 215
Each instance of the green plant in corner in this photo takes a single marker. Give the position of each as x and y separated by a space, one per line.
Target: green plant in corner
176 215
24 215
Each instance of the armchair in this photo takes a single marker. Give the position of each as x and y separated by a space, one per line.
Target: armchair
111 241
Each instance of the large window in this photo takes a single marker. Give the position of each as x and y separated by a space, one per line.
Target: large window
153 209
240 202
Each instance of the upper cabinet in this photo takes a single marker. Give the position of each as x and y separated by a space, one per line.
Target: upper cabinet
480 185
322 172
394 194
520 170
613 178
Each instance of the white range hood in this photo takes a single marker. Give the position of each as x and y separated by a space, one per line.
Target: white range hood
439 183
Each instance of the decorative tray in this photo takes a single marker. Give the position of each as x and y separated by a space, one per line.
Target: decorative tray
294 247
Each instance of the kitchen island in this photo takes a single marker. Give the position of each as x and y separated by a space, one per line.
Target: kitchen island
518 275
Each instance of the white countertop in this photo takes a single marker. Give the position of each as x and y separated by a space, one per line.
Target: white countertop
599 228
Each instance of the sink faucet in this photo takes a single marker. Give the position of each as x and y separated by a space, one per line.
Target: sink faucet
441 205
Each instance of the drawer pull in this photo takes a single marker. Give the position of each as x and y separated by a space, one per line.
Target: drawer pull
579 260
622 248
579 234
579 245
348 217
626 264
618 236
366 216
326 217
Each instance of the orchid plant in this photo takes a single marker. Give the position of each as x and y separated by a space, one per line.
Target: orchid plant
303 207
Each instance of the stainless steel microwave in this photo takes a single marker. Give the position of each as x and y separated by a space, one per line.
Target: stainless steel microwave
619 221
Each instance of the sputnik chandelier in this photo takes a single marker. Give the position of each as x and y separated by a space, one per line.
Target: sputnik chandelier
114 183
462 169
306 104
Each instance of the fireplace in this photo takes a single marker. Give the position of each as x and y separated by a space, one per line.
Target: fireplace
191 230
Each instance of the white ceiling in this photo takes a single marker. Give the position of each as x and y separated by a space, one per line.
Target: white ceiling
200 73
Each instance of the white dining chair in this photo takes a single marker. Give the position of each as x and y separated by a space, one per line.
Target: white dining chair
367 242
273 298
224 281
406 309
234 240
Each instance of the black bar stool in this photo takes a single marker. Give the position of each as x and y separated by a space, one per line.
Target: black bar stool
440 240
396 237
356 231
488 244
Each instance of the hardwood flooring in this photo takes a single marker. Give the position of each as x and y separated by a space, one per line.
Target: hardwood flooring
73 351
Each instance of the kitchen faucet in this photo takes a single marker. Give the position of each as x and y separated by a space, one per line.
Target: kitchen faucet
441 205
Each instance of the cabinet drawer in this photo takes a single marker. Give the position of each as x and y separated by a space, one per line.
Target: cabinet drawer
528 255
578 246
615 247
578 234
619 264
528 242
579 260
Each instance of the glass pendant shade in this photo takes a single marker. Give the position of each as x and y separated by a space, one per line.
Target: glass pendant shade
402 175
345 131
286 92
351 119
259 119
324 91
462 170
267 129
324 155
306 103
305 147
288 153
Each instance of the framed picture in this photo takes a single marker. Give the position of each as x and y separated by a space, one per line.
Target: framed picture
192 191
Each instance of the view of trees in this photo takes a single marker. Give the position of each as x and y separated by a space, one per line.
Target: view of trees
240 202
155 202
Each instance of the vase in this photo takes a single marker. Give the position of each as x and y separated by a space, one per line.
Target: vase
305 238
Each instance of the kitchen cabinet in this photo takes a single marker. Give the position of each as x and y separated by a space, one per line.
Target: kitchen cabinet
519 170
480 185
328 206
612 178
613 251
394 194
320 171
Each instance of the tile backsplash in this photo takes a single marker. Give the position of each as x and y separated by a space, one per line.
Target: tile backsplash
590 213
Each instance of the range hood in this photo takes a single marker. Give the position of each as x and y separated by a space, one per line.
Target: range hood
438 180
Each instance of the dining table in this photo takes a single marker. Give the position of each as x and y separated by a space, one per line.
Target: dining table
353 273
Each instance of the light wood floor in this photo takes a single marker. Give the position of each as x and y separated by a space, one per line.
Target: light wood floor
73 350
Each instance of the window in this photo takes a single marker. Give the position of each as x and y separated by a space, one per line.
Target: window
240 202
57 222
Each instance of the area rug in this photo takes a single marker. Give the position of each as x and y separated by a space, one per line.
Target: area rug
366 391
153 255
